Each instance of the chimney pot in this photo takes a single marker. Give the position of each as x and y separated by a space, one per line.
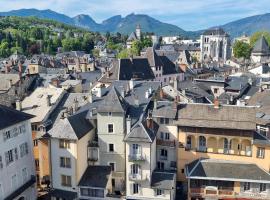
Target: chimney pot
216 103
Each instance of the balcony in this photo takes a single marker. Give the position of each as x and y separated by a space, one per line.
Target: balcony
137 177
211 191
167 143
92 159
136 157
163 157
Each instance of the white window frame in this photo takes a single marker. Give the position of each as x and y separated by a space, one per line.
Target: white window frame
112 128
114 163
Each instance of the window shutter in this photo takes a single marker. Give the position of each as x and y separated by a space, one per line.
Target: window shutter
26 148
21 150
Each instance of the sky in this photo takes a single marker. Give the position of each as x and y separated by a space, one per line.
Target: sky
187 14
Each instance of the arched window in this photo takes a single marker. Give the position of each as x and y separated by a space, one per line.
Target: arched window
202 143
226 143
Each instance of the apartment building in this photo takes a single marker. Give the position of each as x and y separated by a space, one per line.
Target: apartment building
17 170
213 137
41 103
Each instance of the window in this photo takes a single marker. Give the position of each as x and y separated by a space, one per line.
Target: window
24 175
110 128
11 155
64 144
37 164
24 149
22 128
136 149
182 171
111 147
215 90
166 120
1 191
109 113
160 165
135 188
262 187
167 136
65 162
159 192
135 169
260 152
161 120
35 142
92 192
112 166
7 135
66 180
163 154
246 186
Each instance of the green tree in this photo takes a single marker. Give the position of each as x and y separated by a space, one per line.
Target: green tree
257 35
136 48
87 43
241 50
4 50
123 54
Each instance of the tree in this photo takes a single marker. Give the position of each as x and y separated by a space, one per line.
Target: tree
136 48
87 43
4 50
241 50
123 54
257 35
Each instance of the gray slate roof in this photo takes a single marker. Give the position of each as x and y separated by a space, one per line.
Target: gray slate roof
164 109
261 46
224 117
225 170
113 102
163 180
95 176
10 116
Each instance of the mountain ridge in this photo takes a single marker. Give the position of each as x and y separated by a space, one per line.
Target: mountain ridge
128 23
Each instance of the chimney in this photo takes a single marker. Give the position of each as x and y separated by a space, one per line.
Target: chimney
216 103
90 97
20 69
161 93
175 84
10 83
147 94
149 121
18 105
107 73
136 100
155 103
48 100
123 92
175 103
131 84
75 105
128 124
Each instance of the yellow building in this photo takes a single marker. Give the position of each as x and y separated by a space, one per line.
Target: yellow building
223 133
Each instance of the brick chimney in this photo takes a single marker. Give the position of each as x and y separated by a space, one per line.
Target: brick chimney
149 121
161 93
216 103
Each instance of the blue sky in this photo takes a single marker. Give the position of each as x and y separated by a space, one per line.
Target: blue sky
187 14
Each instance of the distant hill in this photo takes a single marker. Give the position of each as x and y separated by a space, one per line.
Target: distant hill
127 24
248 25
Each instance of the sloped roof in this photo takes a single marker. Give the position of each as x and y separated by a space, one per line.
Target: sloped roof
168 66
261 46
138 68
141 133
95 176
75 127
132 37
225 170
113 102
225 117
153 58
214 31
11 116
163 180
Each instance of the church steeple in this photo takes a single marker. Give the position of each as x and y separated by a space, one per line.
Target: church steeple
138 31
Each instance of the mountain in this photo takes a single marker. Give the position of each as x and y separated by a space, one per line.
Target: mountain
127 24
42 14
248 25
114 24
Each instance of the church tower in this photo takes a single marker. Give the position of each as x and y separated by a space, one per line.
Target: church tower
138 31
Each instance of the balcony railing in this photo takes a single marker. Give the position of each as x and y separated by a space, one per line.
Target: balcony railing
136 177
163 157
207 191
93 159
168 143
136 157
